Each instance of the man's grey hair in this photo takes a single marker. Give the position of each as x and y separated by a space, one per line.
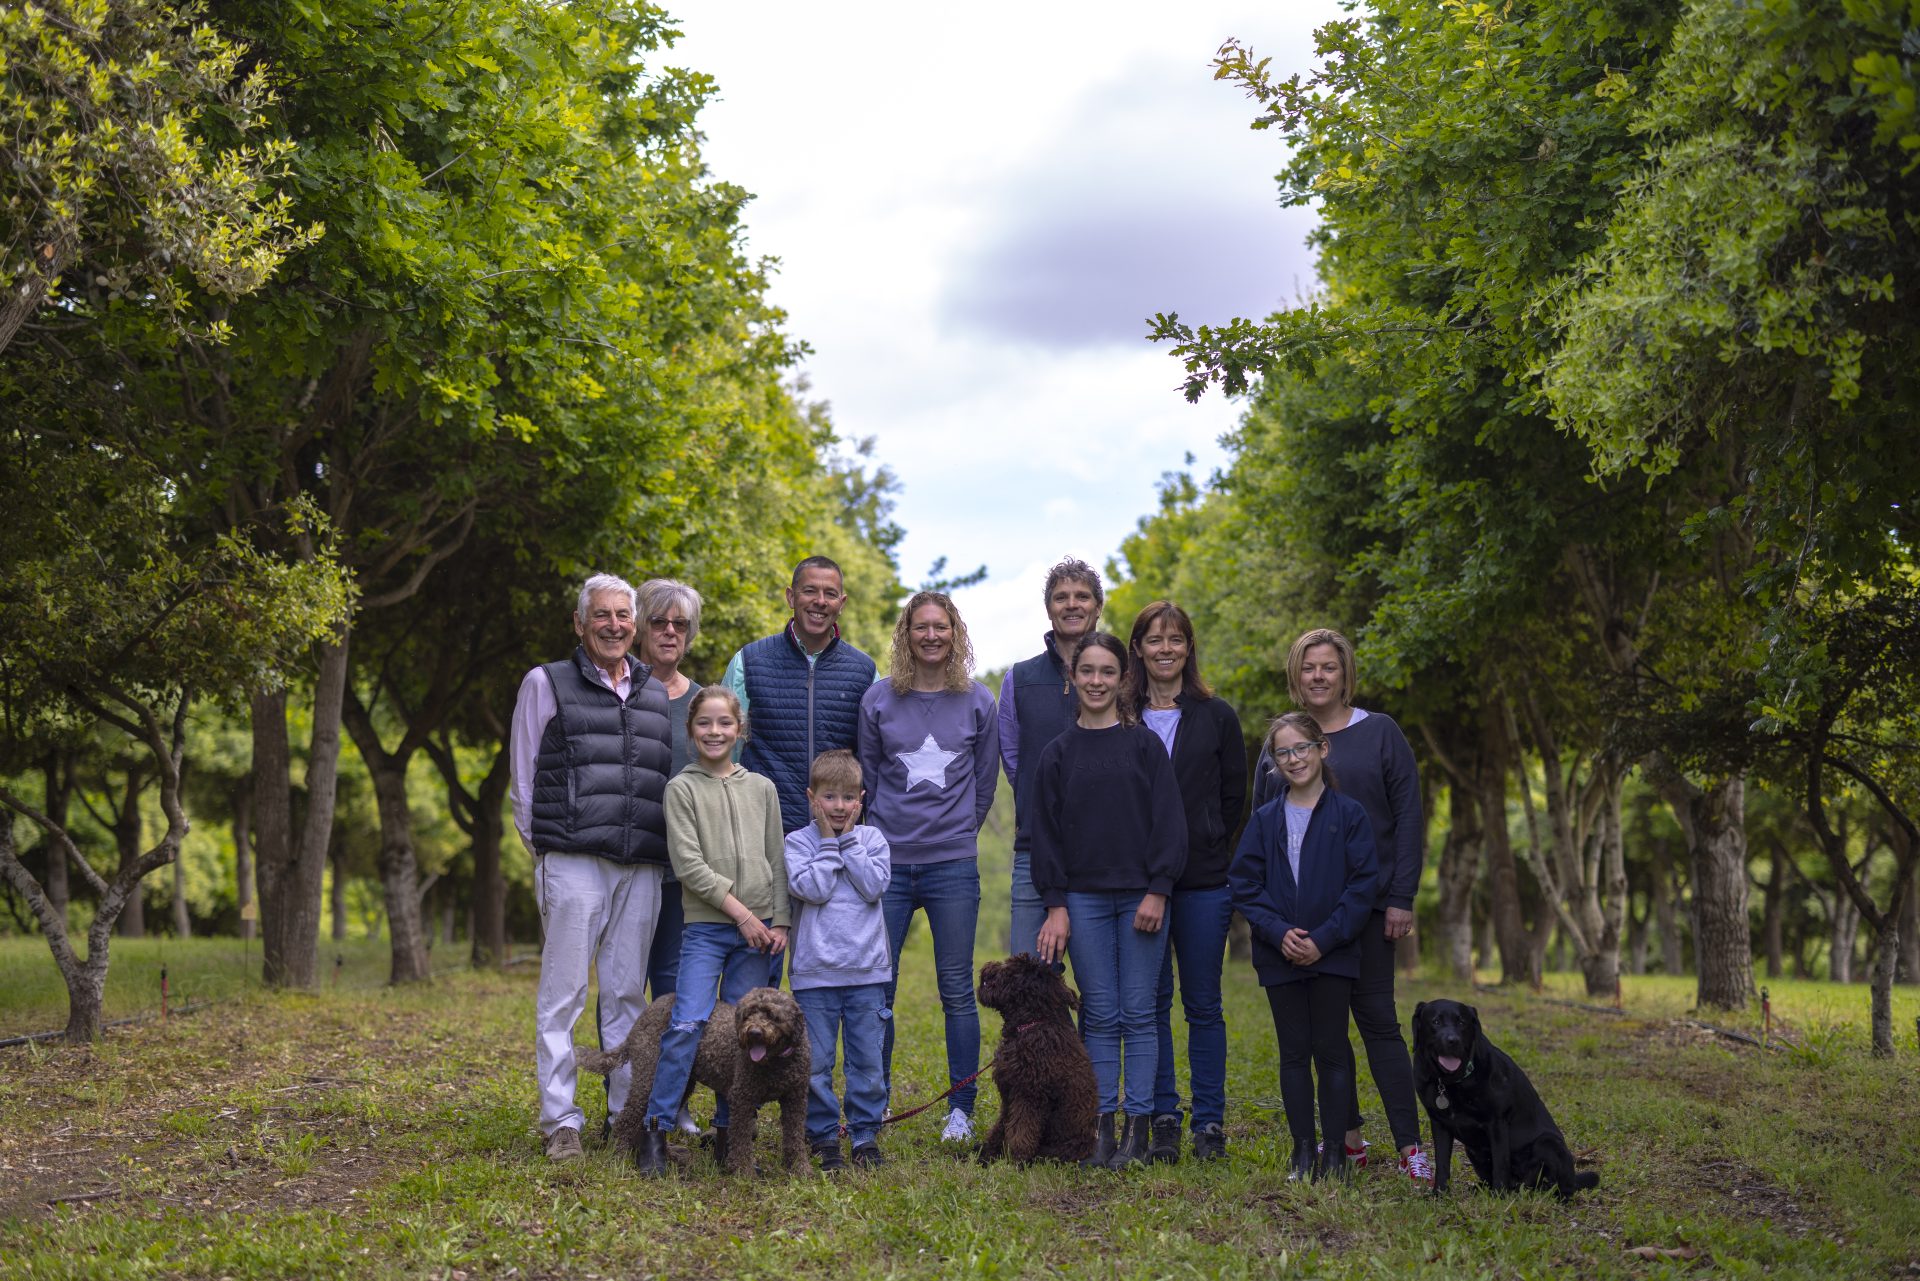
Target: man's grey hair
1075 570
604 583
657 595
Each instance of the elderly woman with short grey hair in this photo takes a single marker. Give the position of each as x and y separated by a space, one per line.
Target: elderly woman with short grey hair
668 620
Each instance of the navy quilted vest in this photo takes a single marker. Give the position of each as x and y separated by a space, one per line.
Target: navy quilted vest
600 776
797 710
1045 704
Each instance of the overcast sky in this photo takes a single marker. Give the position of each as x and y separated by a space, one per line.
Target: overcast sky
975 209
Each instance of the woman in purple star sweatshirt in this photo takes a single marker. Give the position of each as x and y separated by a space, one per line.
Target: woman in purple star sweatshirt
929 746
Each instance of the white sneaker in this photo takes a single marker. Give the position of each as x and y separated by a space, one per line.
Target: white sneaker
959 1128
685 1123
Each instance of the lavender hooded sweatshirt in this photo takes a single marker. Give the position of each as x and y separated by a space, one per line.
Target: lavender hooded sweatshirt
929 763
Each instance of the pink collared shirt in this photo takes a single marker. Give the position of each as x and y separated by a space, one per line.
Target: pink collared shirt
534 707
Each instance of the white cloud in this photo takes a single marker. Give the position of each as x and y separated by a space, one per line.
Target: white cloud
974 209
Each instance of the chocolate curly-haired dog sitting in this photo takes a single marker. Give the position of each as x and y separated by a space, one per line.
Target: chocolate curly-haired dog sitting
750 1054
1049 1103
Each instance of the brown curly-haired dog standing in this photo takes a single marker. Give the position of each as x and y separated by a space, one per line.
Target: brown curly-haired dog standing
1049 1103
750 1054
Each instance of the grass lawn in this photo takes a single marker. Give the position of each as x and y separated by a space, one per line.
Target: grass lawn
390 1133
372 1132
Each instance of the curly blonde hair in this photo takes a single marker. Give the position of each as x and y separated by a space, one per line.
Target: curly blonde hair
959 674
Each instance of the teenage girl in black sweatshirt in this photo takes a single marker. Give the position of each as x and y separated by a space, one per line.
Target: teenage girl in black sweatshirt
1109 841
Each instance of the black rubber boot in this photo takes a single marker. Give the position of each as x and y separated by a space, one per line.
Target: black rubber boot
1209 1143
1165 1146
1103 1144
1301 1167
1334 1165
650 1154
1135 1140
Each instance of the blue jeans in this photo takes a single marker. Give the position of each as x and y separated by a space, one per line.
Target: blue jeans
950 893
663 959
713 958
859 1017
1119 972
1029 913
1196 931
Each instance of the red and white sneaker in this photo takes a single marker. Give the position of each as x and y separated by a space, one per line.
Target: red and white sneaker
1416 1166
1356 1157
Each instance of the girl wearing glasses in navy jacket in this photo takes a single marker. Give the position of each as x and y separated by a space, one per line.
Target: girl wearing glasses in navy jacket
1304 878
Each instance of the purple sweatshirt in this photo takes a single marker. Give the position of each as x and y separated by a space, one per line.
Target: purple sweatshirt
929 763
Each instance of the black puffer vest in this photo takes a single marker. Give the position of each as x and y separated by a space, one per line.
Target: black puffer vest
797 709
1044 704
600 777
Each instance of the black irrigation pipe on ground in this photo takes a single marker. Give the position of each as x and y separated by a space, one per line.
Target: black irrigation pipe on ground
34 1038
1492 990
1776 1042
194 1007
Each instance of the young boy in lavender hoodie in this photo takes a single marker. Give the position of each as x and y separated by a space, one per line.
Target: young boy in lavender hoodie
837 873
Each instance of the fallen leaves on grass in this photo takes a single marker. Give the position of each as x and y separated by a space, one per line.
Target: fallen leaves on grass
1658 1252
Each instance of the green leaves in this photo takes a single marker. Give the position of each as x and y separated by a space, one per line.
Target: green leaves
134 161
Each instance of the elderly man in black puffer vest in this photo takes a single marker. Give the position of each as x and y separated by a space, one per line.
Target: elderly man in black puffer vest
591 746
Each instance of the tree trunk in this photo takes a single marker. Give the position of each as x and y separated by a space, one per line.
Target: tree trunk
242 801
1517 963
182 919
59 795
1886 959
292 868
126 836
1459 867
1846 930
1666 908
337 895
399 872
399 876
1909 969
1774 911
1713 819
489 885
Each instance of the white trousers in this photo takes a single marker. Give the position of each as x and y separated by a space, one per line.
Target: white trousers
599 914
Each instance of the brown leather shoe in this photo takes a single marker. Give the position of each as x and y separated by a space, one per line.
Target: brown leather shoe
564 1145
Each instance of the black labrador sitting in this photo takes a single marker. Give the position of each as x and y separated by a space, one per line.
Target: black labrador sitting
1477 1095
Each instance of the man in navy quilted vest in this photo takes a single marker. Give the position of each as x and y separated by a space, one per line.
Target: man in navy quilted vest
800 688
590 750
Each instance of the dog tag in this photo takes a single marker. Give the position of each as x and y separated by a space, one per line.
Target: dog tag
1440 1101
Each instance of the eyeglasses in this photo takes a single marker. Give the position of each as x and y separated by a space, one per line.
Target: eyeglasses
681 625
1294 752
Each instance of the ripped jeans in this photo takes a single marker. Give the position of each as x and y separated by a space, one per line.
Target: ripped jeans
714 960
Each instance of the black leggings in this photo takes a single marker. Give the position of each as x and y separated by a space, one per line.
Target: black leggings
1310 1022
1379 1026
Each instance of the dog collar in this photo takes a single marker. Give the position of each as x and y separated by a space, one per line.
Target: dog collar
1440 1093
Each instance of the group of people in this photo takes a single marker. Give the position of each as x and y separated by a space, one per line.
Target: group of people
797 814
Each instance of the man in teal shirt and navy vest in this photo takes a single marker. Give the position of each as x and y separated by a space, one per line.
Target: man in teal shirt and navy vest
800 688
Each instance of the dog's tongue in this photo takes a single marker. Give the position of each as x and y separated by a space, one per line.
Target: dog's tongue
758 1052
1447 1062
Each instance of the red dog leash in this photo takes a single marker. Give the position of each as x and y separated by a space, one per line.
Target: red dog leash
946 1093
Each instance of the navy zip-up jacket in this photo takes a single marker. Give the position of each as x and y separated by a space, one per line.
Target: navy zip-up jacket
1375 766
1333 899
